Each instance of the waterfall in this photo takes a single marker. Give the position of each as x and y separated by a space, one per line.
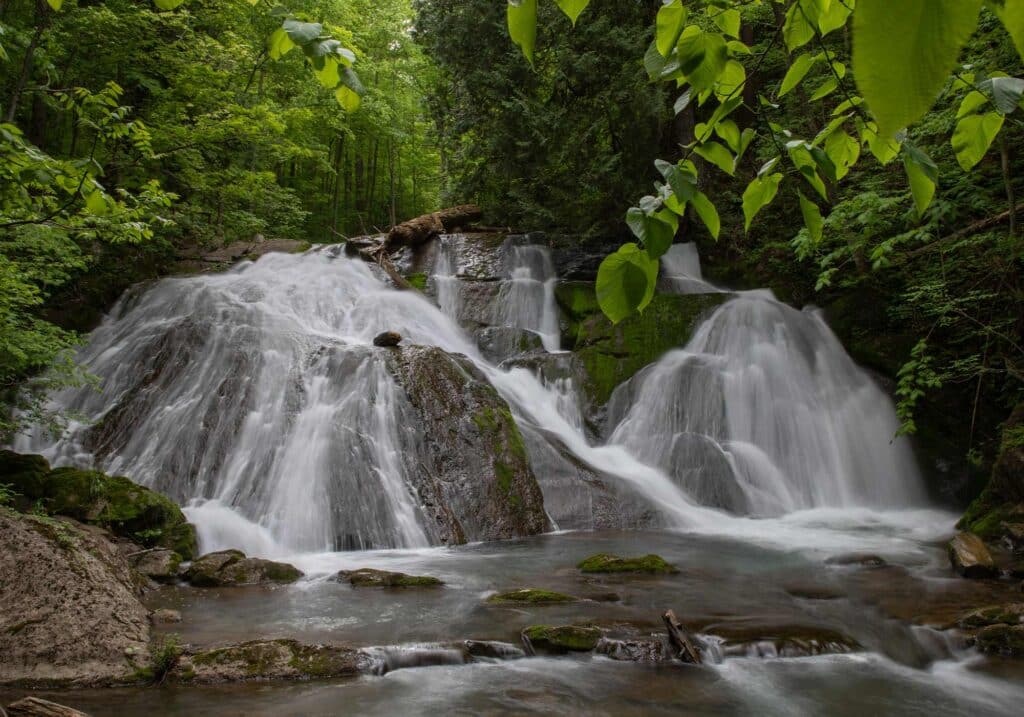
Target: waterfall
681 271
256 398
764 413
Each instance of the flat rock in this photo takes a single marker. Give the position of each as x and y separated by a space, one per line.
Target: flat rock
268 660
37 707
530 596
561 638
71 613
970 557
370 578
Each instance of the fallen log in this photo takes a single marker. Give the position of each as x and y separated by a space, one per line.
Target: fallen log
422 229
680 639
36 707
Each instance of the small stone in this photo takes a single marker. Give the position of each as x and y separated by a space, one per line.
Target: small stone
970 557
388 339
606 563
645 651
561 638
165 617
36 707
864 560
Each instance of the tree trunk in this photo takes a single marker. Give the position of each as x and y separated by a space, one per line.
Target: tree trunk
421 229
42 22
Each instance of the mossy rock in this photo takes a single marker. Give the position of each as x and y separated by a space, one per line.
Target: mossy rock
1010 614
1006 640
986 514
561 638
231 568
531 596
613 353
268 660
22 471
370 578
112 502
417 281
606 563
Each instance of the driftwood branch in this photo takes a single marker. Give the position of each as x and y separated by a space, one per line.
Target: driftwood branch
680 639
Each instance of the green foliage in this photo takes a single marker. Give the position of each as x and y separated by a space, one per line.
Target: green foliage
626 281
7 494
916 377
165 655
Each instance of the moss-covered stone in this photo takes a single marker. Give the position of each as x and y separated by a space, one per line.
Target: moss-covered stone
561 638
230 568
1006 640
268 660
530 596
417 281
614 353
1010 614
370 578
606 563
112 502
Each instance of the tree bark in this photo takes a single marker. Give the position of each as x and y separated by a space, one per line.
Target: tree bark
42 22
422 229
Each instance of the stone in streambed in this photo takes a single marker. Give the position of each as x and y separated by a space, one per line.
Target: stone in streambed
229 568
1006 640
606 563
165 617
864 560
370 578
644 651
37 707
530 596
268 660
970 557
561 638
159 565
388 339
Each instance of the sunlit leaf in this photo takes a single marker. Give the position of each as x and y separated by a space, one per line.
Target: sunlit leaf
626 281
670 23
974 135
573 8
923 175
758 195
522 25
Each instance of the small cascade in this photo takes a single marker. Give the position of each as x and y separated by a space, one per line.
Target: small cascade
764 413
527 298
681 272
446 282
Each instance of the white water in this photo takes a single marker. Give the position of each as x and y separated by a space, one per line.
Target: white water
256 398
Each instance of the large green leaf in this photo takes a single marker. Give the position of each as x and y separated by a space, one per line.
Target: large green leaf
162 4
279 44
56 4
758 195
670 23
812 218
835 16
573 8
923 175
656 231
522 25
1011 12
843 150
347 98
302 32
702 57
1006 93
885 149
797 32
903 53
798 69
728 21
625 282
974 135
707 213
718 155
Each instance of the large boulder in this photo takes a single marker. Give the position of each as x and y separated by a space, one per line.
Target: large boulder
115 503
71 614
231 568
614 353
473 474
268 660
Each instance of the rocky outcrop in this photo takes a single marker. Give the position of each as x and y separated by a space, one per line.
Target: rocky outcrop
71 614
970 557
614 353
231 568
115 503
267 660
473 474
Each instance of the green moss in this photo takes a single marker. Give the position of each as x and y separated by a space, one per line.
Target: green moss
606 563
530 596
986 514
1007 640
612 354
282 572
1011 614
417 281
302 247
367 577
562 638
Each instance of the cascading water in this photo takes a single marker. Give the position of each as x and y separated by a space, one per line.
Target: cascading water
764 413
256 396
681 270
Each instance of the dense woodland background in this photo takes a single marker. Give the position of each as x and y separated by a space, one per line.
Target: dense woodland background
239 144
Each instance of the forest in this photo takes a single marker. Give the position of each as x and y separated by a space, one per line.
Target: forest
291 293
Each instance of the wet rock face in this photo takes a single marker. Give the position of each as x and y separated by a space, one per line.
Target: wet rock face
230 568
646 651
71 614
268 660
561 638
970 557
388 339
498 343
111 502
612 354
1006 640
473 477
370 578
